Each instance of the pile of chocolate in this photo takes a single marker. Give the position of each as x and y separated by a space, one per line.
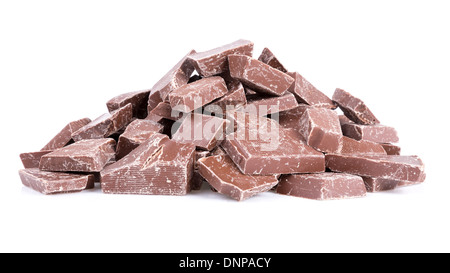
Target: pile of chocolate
238 124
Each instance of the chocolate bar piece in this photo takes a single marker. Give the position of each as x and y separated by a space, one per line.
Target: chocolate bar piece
322 186
354 108
65 135
31 160
214 61
376 184
53 182
265 105
206 132
222 174
163 109
235 97
391 149
159 166
375 133
396 167
137 132
259 76
197 179
307 93
321 129
105 125
291 118
138 99
344 120
89 155
269 58
352 146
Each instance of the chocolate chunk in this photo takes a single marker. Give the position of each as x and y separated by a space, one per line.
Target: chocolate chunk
263 106
305 92
291 118
396 167
138 99
105 125
137 132
354 108
194 95
235 97
391 149
352 146
65 135
176 77
214 61
322 186
225 177
321 129
163 109
89 155
259 76
269 58
374 184
197 179
53 182
31 160
206 132
375 133
344 120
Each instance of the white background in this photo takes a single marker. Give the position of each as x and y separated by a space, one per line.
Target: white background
62 60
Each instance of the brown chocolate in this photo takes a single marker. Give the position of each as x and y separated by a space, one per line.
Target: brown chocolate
375 133
197 179
259 76
65 135
106 125
89 155
31 160
344 120
265 105
391 149
374 184
354 108
163 109
138 99
352 146
322 186
269 58
235 97
291 118
53 182
222 174
307 93
214 61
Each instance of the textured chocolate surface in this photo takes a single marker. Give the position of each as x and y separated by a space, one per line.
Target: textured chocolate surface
31 160
379 184
391 149
322 186
222 174
375 133
269 58
352 146
265 105
235 97
354 108
291 118
138 99
163 109
65 135
307 93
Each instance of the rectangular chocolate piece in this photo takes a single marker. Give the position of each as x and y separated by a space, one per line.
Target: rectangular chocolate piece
222 174
53 182
352 146
322 186
291 118
138 99
137 132
106 125
197 94
163 109
259 76
265 105
343 120
374 184
354 108
235 98
307 93
396 167
89 155
269 58
391 149
31 160
375 133
65 135
214 61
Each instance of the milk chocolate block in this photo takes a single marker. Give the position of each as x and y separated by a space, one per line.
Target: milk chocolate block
374 184
163 109
235 97
157 167
178 76
106 125
31 160
265 105
391 149
321 129
322 186
269 58
306 93
396 167
65 135
352 146
206 132
53 182
343 120
259 76
225 177
291 118
194 95
214 61
138 99
354 108
89 155
137 132
375 133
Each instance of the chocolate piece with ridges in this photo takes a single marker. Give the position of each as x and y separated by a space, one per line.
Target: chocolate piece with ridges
89 155
354 108
31 160
225 177
352 146
322 186
214 61
53 182
259 76
375 133
307 93
65 135
269 58
391 149
374 184
138 99
265 105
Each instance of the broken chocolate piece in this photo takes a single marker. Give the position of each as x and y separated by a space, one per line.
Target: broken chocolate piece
138 99
391 149
53 182
31 160
375 133
235 97
214 61
65 135
89 155
269 58
322 186
262 106
225 177
343 120
307 93
376 184
163 109
291 118
354 108
259 76
352 146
